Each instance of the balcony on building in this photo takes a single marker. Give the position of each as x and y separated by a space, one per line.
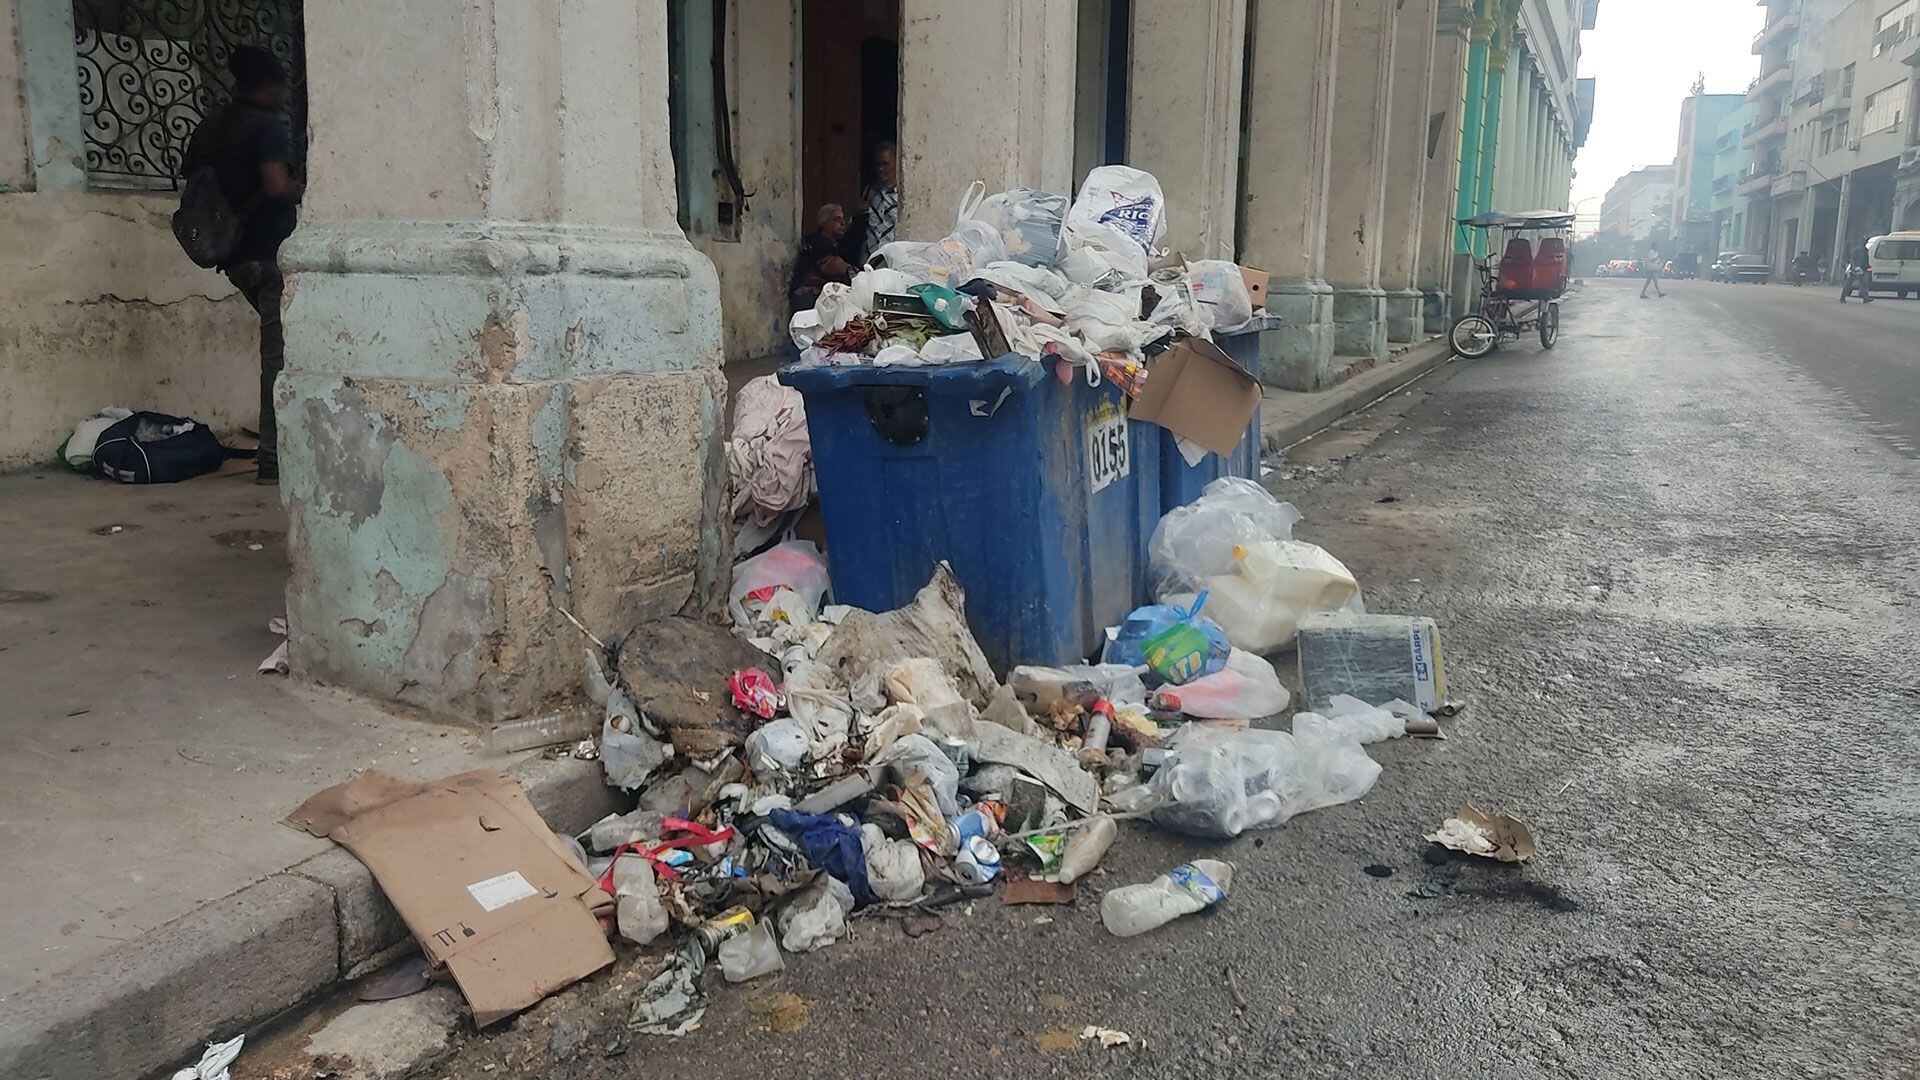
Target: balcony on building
1789 181
1772 82
1756 181
1723 185
1778 28
1763 131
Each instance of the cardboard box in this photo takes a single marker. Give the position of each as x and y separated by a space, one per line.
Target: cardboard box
1256 286
486 888
1197 392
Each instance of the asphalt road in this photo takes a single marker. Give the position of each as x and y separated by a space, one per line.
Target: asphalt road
1868 355
1674 565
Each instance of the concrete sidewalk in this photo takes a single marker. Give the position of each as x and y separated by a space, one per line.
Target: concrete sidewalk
153 899
1286 417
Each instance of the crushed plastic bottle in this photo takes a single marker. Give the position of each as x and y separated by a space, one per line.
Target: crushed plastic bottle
751 955
637 911
1183 890
1085 847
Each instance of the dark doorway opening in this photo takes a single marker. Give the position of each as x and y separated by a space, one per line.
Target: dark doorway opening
850 97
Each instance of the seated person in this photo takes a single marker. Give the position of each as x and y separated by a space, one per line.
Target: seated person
822 259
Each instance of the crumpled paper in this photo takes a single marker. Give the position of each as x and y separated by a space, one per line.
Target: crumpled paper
1491 836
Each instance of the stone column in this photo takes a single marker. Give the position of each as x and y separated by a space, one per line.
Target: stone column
502 394
1283 219
1413 43
1440 195
1357 204
986 93
1184 103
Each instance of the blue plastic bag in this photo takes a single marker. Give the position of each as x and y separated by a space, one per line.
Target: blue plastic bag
1177 644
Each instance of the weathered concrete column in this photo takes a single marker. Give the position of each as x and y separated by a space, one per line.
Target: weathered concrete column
986 93
502 388
1283 218
1357 204
1413 42
1440 195
1184 98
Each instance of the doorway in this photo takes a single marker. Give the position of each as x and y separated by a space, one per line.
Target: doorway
850 98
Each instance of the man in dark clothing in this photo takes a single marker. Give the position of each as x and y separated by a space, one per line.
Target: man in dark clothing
823 258
249 143
1857 277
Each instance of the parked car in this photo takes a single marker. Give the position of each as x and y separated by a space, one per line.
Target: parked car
1733 266
1685 265
1895 259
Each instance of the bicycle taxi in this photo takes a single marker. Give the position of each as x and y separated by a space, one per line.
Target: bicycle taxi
1522 280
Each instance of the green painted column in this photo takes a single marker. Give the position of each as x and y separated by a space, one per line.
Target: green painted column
1467 196
1490 136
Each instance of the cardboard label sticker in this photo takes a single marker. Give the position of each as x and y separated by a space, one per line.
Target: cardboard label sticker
497 892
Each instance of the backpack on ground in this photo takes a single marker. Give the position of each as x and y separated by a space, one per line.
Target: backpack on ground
154 448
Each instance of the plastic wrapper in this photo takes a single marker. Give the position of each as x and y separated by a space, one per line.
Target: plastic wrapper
951 349
917 754
796 565
1196 542
1247 688
1028 221
1219 293
819 704
921 681
1222 783
817 916
1372 657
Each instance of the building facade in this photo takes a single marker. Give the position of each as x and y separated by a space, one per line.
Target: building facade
1703 119
536 231
1833 133
1640 203
1732 162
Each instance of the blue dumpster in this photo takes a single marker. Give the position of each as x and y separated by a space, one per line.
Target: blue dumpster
1040 495
1181 483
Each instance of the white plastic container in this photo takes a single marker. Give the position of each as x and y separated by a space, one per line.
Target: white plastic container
1183 890
1275 584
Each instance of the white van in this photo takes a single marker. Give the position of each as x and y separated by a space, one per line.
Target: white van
1895 259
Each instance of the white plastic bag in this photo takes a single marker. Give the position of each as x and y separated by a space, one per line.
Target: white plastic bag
1121 214
1222 783
776 747
796 565
1193 543
868 284
893 866
921 262
916 753
1220 293
1248 688
920 681
951 349
1028 221
751 955
817 916
901 355
835 307
1045 286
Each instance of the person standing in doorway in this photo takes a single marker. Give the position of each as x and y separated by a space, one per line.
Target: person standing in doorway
1650 268
881 202
249 144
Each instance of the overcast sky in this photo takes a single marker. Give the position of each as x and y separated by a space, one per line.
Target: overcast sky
1645 54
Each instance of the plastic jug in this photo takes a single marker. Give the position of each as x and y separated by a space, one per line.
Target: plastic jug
1275 583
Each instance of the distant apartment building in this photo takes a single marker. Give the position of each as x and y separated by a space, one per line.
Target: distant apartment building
1695 169
1639 203
1836 150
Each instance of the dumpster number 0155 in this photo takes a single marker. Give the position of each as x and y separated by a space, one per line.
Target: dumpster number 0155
1107 458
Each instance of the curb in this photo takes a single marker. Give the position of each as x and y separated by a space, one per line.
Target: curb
1278 433
232 964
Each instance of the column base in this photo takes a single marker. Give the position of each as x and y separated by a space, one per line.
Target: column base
1299 354
1406 320
1360 322
482 426
1436 309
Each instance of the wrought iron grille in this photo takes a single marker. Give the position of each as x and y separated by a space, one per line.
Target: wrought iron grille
151 70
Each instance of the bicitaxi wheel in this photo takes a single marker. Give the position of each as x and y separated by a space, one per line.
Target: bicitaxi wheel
1549 325
1473 336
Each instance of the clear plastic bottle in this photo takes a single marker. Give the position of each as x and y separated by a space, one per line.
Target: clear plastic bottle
637 910
1085 847
1183 890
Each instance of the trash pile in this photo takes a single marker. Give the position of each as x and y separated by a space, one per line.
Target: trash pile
1075 285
